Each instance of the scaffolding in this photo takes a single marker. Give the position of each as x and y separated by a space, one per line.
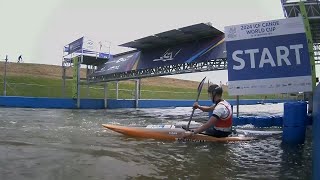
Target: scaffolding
79 53
292 9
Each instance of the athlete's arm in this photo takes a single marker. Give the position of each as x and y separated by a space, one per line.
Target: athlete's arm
204 127
203 108
212 121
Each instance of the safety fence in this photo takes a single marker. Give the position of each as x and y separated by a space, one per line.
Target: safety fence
128 92
39 90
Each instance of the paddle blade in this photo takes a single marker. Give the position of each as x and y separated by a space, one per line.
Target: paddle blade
199 92
201 84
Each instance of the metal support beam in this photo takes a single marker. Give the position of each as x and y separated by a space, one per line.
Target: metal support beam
312 11
316 135
137 93
5 77
63 80
87 77
117 89
238 102
212 65
105 95
78 82
139 88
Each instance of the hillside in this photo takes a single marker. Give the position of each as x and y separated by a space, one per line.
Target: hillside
40 80
55 72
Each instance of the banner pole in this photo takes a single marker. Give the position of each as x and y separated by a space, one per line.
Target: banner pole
5 77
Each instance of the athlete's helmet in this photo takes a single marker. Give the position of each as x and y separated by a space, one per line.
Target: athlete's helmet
215 89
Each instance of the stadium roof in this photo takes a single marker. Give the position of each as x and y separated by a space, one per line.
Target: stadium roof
175 36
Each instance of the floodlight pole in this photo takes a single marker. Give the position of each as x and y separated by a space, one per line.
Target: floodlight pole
5 77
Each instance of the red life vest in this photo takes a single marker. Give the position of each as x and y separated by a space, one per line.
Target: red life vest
225 124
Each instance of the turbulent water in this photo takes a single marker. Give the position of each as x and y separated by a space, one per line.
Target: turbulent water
71 144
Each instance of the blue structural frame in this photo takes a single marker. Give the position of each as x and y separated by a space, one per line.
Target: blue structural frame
316 135
54 103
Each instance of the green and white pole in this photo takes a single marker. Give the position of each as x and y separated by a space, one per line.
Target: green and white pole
307 28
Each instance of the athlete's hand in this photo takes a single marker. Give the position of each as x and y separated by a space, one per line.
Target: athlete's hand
195 105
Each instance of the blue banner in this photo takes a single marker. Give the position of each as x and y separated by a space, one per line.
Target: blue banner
122 63
197 51
269 57
75 45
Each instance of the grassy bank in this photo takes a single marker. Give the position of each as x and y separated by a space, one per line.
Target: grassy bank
49 87
52 87
40 80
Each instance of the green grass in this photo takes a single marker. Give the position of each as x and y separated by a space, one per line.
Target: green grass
47 87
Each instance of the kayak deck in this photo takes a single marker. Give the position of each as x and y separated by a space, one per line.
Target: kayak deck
168 132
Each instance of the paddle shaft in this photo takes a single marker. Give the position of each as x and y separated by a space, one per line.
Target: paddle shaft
199 92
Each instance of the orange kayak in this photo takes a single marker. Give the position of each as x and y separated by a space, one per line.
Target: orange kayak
169 132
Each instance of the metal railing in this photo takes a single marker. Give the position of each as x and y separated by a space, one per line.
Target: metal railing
39 90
